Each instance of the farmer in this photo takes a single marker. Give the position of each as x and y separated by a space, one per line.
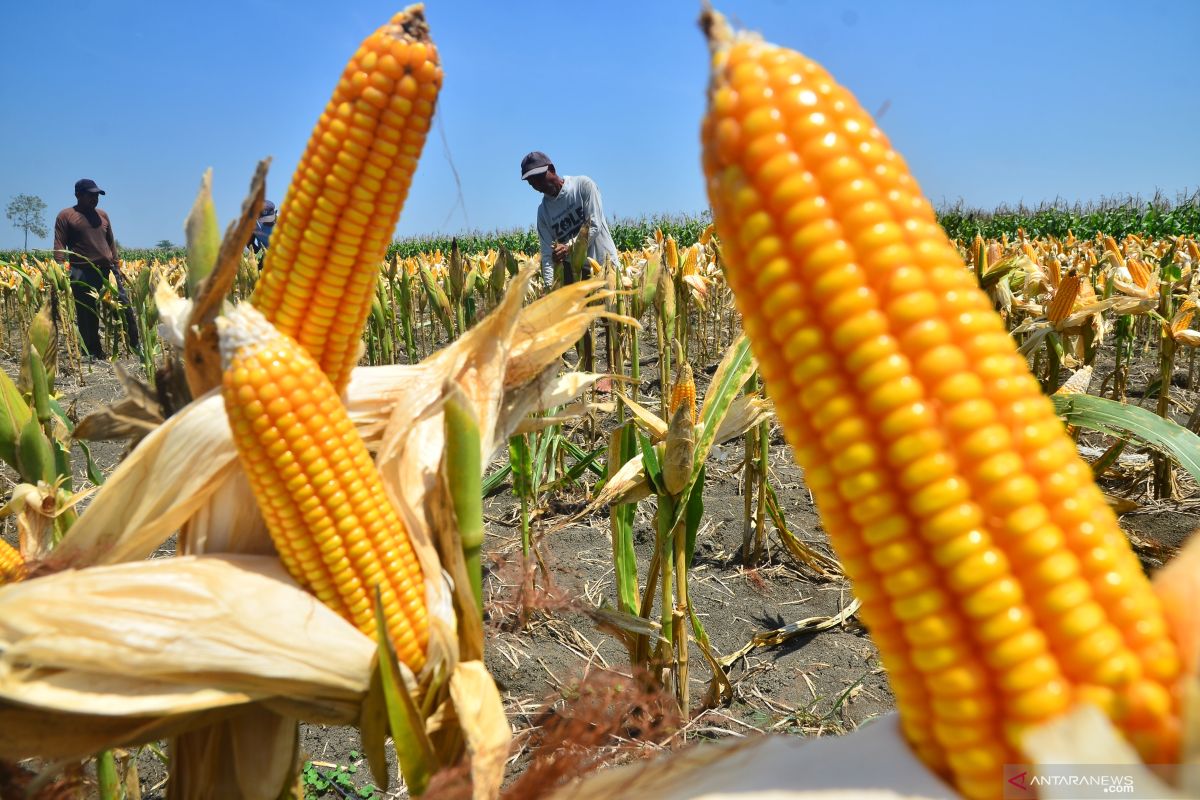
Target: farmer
567 202
84 244
262 228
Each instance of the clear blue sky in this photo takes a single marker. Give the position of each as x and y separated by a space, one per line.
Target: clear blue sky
990 102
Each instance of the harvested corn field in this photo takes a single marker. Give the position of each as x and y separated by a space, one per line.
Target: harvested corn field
357 519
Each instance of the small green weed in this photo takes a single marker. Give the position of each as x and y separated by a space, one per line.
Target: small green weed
335 781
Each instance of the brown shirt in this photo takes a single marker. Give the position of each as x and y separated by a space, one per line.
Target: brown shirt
88 234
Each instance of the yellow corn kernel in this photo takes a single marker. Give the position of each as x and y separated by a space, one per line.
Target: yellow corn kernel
974 470
12 566
347 193
317 487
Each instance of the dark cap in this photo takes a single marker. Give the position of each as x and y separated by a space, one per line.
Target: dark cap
535 164
87 185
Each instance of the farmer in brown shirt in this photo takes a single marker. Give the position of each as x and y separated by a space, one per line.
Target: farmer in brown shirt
83 238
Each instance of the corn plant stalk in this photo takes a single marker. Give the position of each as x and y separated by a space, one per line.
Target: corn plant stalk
1169 274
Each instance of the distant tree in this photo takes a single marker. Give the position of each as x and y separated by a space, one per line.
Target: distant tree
164 244
26 212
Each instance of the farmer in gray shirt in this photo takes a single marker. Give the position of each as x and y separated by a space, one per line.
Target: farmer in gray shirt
567 202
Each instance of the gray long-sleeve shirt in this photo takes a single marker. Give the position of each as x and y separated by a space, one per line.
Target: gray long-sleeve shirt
559 219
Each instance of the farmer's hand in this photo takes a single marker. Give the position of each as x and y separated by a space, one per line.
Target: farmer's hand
560 253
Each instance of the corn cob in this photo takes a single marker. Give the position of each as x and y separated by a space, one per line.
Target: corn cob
683 393
992 574
341 209
1063 299
1140 272
12 566
320 494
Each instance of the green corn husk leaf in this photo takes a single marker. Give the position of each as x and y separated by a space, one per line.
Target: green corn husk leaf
649 281
496 279
1131 422
456 272
142 296
472 282
577 256
462 471
42 335
35 456
203 235
1002 269
39 384
14 413
438 302
418 760
664 298
201 356
377 314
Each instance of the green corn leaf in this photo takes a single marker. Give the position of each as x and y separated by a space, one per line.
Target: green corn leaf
694 512
651 463
94 473
493 481
735 369
1138 425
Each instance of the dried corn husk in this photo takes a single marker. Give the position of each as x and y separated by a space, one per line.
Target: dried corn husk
162 646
